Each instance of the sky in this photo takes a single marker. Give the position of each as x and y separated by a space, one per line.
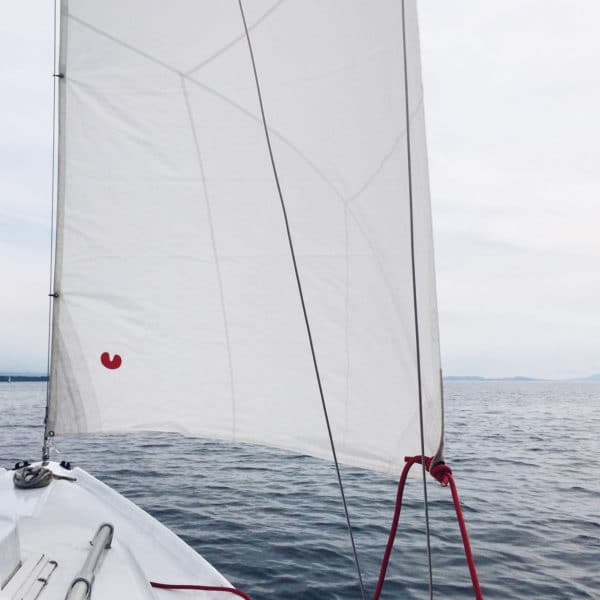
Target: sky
512 97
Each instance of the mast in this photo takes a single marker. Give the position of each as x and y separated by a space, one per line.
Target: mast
57 75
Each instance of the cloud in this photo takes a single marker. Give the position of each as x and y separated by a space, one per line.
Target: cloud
24 308
25 170
511 96
25 113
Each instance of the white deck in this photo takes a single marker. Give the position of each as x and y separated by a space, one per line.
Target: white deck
57 523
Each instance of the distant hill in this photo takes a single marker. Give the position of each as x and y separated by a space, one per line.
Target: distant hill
477 378
594 377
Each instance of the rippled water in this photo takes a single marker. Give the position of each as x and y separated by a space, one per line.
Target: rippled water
526 457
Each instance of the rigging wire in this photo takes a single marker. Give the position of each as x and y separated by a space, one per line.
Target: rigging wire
303 303
416 311
51 292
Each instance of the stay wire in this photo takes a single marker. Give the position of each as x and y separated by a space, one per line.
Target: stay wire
51 293
415 305
303 303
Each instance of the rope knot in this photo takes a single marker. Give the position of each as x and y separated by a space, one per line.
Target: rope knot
442 472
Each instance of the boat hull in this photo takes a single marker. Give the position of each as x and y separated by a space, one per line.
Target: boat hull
46 534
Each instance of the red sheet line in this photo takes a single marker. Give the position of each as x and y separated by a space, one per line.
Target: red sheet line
442 473
205 588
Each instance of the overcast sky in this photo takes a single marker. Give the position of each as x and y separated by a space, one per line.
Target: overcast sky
512 95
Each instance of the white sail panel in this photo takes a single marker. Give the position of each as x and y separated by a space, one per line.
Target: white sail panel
171 244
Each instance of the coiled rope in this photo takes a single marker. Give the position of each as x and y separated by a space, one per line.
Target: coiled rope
31 477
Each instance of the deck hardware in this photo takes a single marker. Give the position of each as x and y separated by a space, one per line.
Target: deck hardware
81 586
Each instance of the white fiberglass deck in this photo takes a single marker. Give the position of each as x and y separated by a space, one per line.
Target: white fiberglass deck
55 524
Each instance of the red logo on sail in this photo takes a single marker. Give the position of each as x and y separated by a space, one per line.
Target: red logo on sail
110 363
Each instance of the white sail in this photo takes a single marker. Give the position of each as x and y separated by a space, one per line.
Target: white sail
171 244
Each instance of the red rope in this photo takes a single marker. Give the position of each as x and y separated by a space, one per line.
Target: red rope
442 473
465 538
205 588
410 461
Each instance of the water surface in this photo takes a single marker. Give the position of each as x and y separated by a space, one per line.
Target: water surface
526 457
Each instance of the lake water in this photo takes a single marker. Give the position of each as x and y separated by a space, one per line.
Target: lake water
526 458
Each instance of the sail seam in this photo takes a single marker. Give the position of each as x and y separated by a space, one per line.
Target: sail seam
215 253
302 301
345 201
125 44
234 41
187 76
415 304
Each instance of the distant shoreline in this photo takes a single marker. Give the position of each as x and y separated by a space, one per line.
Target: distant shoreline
474 378
15 378
478 378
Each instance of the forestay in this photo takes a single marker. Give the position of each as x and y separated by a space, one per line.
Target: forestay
177 307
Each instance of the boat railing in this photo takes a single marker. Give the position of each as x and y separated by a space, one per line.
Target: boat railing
81 586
